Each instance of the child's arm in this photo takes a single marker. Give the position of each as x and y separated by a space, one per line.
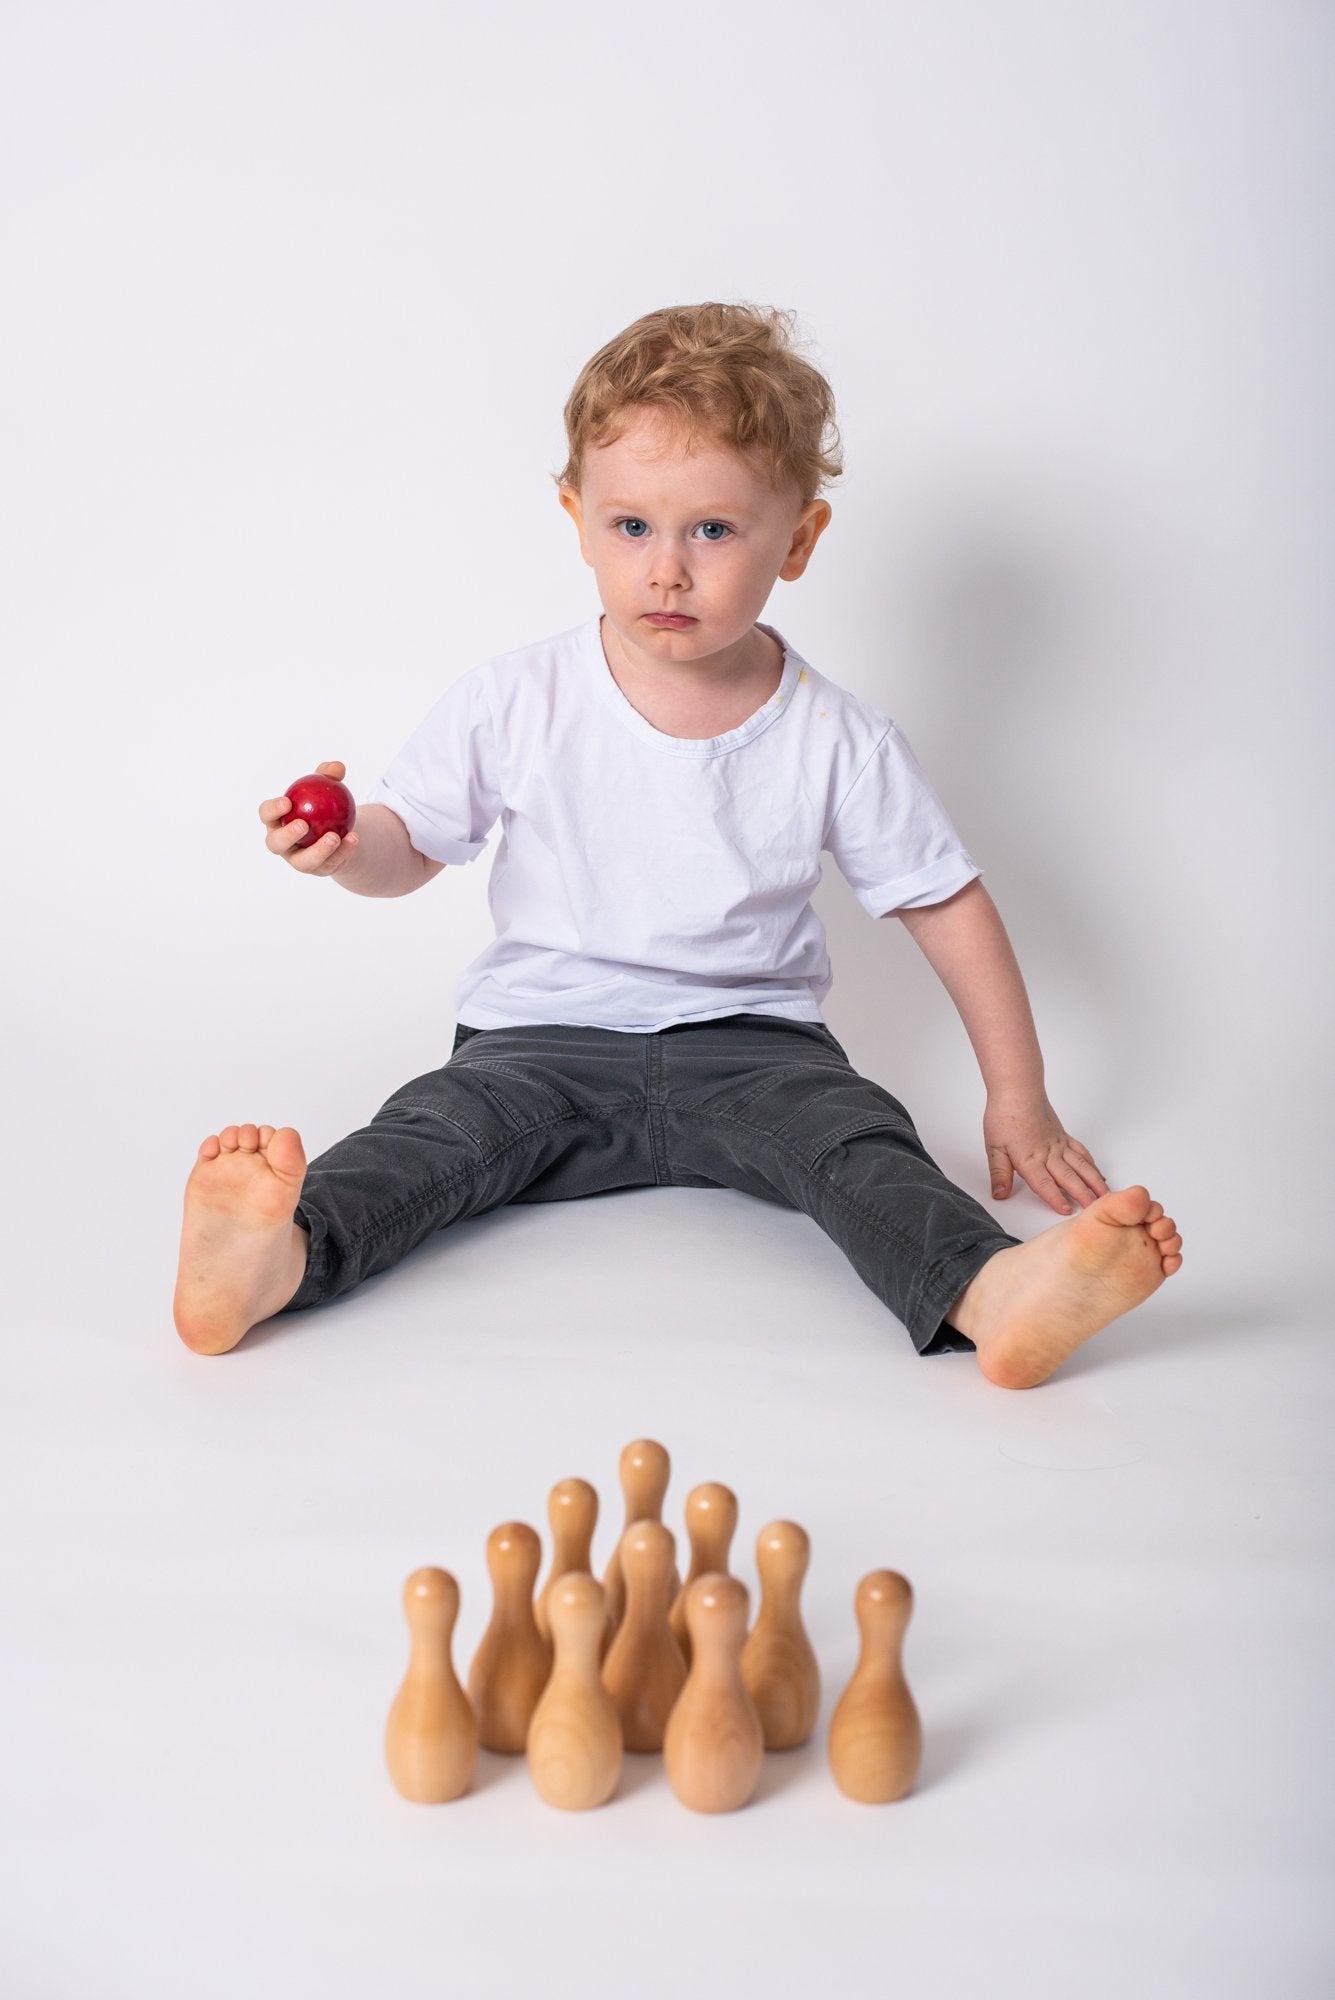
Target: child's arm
385 862
965 943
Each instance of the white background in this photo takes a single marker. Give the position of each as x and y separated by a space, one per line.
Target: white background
293 298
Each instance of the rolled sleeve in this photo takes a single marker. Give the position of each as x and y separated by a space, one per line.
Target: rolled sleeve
891 837
932 884
444 783
425 830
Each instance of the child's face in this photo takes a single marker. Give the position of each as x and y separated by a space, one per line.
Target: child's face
704 537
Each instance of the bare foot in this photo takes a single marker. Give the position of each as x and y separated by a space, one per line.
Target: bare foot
242 1255
1034 1303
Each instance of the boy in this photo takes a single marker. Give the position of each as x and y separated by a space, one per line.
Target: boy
667 776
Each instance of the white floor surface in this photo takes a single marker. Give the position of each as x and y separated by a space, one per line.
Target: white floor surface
1121 1645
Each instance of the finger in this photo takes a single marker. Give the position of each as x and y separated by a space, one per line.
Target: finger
1043 1185
1002 1172
334 770
282 839
1070 1181
331 853
272 810
1084 1163
1091 1176
1093 1183
310 860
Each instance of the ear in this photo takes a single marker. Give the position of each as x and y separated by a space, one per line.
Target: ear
570 500
811 525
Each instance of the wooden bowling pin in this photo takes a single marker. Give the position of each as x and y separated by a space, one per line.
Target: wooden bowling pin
644 1469
711 1523
645 1671
572 1509
574 1739
875 1740
714 1748
431 1734
779 1666
511 1665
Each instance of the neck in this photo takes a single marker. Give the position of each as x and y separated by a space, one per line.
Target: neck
756 658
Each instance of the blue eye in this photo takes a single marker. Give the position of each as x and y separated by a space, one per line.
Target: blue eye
634 521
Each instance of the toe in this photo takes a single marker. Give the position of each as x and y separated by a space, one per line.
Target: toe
266 1133
1127 1206
249 1137
210 1147
286 1155
227 1138
1154 1211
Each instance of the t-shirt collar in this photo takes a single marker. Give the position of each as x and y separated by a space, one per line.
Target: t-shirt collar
679 746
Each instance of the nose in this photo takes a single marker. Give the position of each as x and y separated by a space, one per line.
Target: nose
668 569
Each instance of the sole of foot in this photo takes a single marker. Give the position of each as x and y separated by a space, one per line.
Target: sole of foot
242 1254
1032 1305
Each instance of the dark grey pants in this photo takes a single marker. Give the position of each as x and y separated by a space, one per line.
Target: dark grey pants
771 1107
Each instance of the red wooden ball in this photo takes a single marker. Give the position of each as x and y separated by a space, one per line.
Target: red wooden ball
325 805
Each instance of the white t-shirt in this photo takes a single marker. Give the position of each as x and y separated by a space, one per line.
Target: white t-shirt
642 879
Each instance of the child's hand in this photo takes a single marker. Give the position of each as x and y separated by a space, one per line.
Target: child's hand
1024 1136
327 856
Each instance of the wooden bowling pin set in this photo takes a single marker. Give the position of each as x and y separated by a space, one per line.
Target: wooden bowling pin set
645 1662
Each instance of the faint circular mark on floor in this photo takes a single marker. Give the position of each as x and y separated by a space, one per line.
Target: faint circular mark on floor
1076 1455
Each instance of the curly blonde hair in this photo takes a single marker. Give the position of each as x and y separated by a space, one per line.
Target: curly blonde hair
729 371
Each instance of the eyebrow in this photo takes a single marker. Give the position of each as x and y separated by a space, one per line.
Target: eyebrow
630 507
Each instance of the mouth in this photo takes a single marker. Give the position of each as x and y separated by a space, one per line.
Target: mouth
674 620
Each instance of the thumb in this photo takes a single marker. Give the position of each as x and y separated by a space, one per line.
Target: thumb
1001 1170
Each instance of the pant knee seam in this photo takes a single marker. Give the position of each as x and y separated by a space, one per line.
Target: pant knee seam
879 1224
385 1224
